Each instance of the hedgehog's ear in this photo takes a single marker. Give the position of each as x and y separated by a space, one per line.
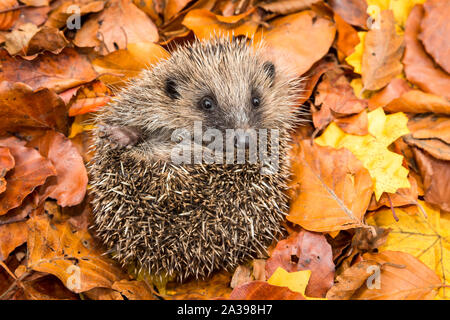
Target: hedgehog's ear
269 68
171 88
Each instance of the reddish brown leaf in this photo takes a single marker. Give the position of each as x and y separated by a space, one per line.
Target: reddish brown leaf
59 16
89 98
419 67
261 290
118 25
347 37
356 124
352 11
435 27
416 101
31 170
305 251
34 15
6 164
20 107
383 49
436 179
286 6
68 187
134 290
313 75
393 90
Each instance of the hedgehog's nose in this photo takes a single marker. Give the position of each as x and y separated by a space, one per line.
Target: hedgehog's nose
241 141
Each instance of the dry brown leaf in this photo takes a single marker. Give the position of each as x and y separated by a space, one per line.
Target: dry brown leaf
420 68
330 188
286 6
383 49
59 16
416 101
11 236
6 164
20 107
30 170
47 288
298 40
123 64
435 28
34 15
261 290
103 294
241 275
350 280
402 277
436 179
356 124
118 25
71 255
57 72
69 184
8 18
134 290
352 11
305 251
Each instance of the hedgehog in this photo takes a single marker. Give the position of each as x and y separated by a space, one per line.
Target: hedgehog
187 219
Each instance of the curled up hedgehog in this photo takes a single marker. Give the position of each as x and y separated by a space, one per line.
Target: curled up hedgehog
187 218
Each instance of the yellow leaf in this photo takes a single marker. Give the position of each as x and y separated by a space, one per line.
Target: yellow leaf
80 125
295 281
401 9
355 59
385 167
427 238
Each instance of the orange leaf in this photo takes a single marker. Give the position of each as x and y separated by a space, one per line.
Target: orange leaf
11 236
133 290
89 98
8 18
331 187
298 40
6 164
71 255
31 170
261 290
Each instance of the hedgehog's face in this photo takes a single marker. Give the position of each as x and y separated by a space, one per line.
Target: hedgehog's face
226 85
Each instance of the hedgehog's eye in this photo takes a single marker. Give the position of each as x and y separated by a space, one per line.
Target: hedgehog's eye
256 102
207 103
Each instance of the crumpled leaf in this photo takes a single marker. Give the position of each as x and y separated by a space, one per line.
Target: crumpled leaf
6 163
337 178
116 26
383 49
59 16
69 184
123 64
435 23
89 98
21 107
385 167
261 290
30 170
304 251
298 40
421 237
419 67
71 255
48 70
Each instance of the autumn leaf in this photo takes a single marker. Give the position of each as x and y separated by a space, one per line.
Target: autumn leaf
123 64
337 178
294 281
304 251
433 26
11 236
347 38
419 67
286 6
423 237
30 170
21 107
68 254
385 167
8 18
60 15
119 24
352 11
69 184
133 290
383 49
298 40
261 290
89 98
6 163
206 24
48 70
